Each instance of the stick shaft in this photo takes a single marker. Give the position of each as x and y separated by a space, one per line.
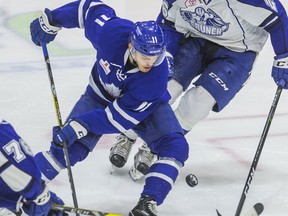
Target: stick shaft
259 150
59 119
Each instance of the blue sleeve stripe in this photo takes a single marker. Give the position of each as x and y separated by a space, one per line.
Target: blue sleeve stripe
268 21
52 161
81 10
123 114
145 105
112 121
272 25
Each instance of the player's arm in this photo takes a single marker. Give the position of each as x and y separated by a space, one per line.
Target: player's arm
21 176
276 24
117 117
273 18
125 112
278 29
122 114
77 14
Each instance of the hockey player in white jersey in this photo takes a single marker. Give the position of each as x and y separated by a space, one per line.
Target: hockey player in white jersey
127 89
23 192
217 40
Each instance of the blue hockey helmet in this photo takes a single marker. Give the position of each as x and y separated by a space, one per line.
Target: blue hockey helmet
147 38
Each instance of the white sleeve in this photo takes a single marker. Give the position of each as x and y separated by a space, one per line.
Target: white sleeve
15 178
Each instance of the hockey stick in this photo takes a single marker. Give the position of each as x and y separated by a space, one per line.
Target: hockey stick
258 153
80 211
259 149
58 113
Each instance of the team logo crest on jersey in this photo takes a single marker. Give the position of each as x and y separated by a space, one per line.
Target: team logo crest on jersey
113 90
120 75
205 21
105 65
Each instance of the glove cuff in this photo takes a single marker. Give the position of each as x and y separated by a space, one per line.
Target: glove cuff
43 197
45 24
281 62
79 129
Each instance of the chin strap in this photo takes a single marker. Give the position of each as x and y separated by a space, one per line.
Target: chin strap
132 52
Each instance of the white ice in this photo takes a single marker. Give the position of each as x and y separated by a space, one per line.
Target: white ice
222 147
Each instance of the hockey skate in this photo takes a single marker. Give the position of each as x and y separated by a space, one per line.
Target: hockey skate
143 159
146 206
120 151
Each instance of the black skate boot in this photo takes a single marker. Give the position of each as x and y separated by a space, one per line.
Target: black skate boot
121 150
145 207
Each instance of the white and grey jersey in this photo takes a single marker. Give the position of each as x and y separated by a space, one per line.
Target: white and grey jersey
233 24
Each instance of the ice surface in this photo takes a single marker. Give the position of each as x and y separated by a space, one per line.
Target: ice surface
221 147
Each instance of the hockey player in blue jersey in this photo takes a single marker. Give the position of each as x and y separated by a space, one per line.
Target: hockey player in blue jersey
127 89
22 189
217 40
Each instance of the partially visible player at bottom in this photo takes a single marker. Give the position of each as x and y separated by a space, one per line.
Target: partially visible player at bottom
22 190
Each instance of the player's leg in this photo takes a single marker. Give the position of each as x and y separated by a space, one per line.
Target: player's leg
216 86
193 107
163 134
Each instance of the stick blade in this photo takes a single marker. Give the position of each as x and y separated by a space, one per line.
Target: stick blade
256 210
218 214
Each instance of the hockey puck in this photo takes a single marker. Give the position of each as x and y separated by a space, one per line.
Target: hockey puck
259 207
191 180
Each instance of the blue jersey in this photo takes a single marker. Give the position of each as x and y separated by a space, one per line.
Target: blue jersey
239 25
19 174
129 94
